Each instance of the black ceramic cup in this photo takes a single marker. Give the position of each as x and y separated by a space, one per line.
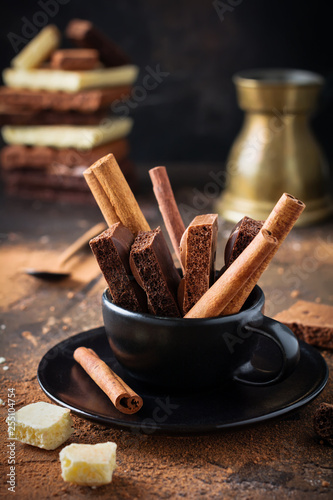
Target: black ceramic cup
178 353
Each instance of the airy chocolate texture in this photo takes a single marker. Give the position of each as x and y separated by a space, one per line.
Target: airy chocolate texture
240 237
112 249
198 252
85 101
85 35
153 268
310 322
323 422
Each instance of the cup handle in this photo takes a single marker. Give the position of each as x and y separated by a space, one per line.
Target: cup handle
288 345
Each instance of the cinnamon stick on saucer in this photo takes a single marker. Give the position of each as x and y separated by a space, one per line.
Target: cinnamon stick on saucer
168 207
119 194
215 300
280 222
121 395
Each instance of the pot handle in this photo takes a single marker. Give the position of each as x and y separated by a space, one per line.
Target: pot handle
288 344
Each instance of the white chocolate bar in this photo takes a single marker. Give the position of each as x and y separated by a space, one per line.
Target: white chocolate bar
43 424
88 464
39 49
68 136
70 81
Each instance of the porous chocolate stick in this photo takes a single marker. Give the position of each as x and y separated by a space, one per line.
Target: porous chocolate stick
154 270
241 235
198 251
112 249
279 222
216 299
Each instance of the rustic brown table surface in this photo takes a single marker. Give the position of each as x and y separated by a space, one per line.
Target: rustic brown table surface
280 458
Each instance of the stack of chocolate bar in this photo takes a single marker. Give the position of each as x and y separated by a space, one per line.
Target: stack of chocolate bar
55 112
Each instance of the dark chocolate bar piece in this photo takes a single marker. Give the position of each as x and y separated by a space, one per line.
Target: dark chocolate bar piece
154 270
241 235
54 177
85 35
30 117
198 252
66 196
58 183
16 156
310 322
112 249
14 100
75 59
323 422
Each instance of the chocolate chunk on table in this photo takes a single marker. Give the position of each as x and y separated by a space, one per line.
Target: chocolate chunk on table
154 270
84 34
310 322
241 235
197 251
112 249
323 422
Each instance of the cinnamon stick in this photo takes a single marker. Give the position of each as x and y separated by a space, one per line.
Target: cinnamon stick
215 300
102 200
280 222
168 207
121 395
119 193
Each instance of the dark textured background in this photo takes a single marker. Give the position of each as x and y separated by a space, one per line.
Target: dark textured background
193 115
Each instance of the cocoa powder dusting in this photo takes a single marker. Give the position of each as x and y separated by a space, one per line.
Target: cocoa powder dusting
269 457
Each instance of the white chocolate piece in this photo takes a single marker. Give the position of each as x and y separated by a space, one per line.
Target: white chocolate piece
39 49
70 81
88 464
43 424
68 136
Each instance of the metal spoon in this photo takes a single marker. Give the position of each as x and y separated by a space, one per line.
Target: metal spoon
58 271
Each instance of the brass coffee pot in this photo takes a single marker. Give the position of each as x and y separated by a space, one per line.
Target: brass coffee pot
275 151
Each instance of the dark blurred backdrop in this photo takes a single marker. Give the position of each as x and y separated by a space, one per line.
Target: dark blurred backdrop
192 115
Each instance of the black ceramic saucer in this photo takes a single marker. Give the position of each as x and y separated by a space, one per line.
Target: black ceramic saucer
232 405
